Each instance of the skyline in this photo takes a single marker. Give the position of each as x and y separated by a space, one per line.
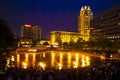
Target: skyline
51 15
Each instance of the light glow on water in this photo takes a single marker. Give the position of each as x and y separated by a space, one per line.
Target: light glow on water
69 60
18 60
56 60
42 65
24 65
34 59
26 58
52 59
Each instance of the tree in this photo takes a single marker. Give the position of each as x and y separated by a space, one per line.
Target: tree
104 44
46 43
71 44
8 42
79 44
65 45
7 38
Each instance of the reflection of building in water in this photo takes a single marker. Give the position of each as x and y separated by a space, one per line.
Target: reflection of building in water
26 58
87 61
83 61
18 60
56 60
69 60
83 29
34 59
61 58
76 62
52 59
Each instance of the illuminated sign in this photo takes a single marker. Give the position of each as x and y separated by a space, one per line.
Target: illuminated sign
27 25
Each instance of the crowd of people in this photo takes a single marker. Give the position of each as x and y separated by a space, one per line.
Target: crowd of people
105 71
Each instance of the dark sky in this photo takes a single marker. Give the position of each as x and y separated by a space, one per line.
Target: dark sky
50 14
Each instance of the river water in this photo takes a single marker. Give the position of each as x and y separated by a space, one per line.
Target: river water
54 59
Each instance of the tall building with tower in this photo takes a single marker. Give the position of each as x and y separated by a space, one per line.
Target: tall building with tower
84 19
83 32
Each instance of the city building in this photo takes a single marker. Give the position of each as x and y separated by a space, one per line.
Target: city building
26 32
36 32
109 23
63 36
84 19
30 32
83 29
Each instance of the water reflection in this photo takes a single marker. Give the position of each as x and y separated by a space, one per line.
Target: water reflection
34 59
18 60
57 60
52 59
76 62
69 60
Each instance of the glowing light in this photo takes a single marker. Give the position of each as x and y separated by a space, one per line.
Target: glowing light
61 58
102 57
34 61
77 57
60 66
32 50
12 58
83 61
111 55
87 61
24 65
43 54
8 62
26 58
87 58
76 63
18 60
27 25
69 60
52 59
42 65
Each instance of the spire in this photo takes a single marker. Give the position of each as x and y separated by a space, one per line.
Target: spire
82 8
88 8
85 7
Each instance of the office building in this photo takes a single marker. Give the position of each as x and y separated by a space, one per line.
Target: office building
26 32
83 29
109 23
63 36
84 22
30 32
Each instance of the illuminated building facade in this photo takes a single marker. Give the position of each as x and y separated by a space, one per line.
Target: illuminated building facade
109 23
30 32
84 22
83 28
63 36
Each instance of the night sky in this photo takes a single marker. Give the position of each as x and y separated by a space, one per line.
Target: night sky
50 14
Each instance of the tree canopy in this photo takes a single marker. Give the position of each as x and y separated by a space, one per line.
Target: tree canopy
8 40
